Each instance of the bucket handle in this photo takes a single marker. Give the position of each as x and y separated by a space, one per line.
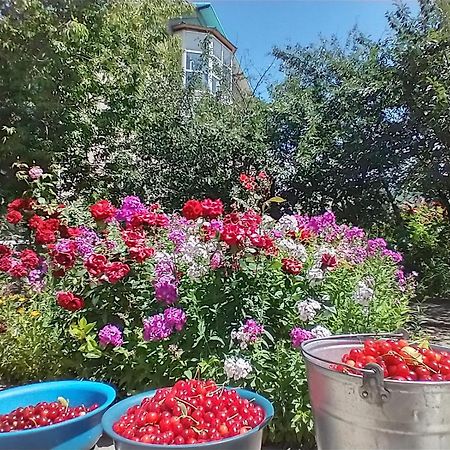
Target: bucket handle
400 333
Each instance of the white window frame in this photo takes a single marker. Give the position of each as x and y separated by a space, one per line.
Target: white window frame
212 58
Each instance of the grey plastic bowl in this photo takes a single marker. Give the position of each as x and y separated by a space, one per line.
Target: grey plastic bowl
248 441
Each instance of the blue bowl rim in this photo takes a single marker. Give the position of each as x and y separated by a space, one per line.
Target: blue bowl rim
135 400
110 392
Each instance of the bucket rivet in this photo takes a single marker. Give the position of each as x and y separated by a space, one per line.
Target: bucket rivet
365 394
384 397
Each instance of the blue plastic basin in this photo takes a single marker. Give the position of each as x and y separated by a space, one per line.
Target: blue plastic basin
248 441
80 433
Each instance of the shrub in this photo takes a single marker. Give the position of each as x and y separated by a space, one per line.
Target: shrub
144 297
423 237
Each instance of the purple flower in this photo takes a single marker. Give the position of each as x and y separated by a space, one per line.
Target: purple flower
64 246
354 233
166 290
395 256
156 328
36 278
216 225
130 205
175 318
317 224
299 335
35 172
86 242
110 334
164 267
375 245
178 237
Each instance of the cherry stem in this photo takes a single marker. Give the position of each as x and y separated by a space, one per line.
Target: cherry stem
185 402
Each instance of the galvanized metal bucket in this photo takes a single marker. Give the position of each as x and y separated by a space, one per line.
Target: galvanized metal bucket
366 412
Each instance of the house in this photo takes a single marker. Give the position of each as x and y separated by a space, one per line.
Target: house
209 57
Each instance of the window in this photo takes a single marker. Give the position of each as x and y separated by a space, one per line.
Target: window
213 69
193 61
215 85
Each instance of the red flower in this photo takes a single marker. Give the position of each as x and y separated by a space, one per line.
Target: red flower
329 260
51 224
258 241
96 265
14 216
291 266
304 234
44 236
212 209
19 203
69 301
251 219
59 273
140 254
68 232
243 178
29 258
133 238
116 271
192 209
139 218
232 234
18 270
5 263
35 222
65 259
4 250
248 181
162 220
262 175
103 210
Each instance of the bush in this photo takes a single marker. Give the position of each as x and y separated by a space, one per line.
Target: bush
144 297
423 237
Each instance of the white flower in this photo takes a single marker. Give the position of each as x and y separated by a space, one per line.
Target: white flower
287 223
315 275
364 291
196 271
236 368
294 249
320 332
267 221
241 337
307 309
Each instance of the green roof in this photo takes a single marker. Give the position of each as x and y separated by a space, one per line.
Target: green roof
207 16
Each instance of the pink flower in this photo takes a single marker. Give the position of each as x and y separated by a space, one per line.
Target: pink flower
35 172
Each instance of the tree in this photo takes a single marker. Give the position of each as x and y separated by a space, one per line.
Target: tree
96 88
366 124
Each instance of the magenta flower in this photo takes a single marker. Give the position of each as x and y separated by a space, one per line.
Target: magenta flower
175 318
130 206
156 328
110 334
166 290
299 335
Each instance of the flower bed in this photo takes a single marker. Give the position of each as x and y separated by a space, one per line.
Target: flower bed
141 297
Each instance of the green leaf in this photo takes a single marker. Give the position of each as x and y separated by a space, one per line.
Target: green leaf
276 199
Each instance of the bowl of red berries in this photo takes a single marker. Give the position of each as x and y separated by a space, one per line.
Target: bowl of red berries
191 414
57 415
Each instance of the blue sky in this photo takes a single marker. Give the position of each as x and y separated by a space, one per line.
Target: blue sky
255 26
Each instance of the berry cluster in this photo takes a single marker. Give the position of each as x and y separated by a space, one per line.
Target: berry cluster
399 360
41 415
191 412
